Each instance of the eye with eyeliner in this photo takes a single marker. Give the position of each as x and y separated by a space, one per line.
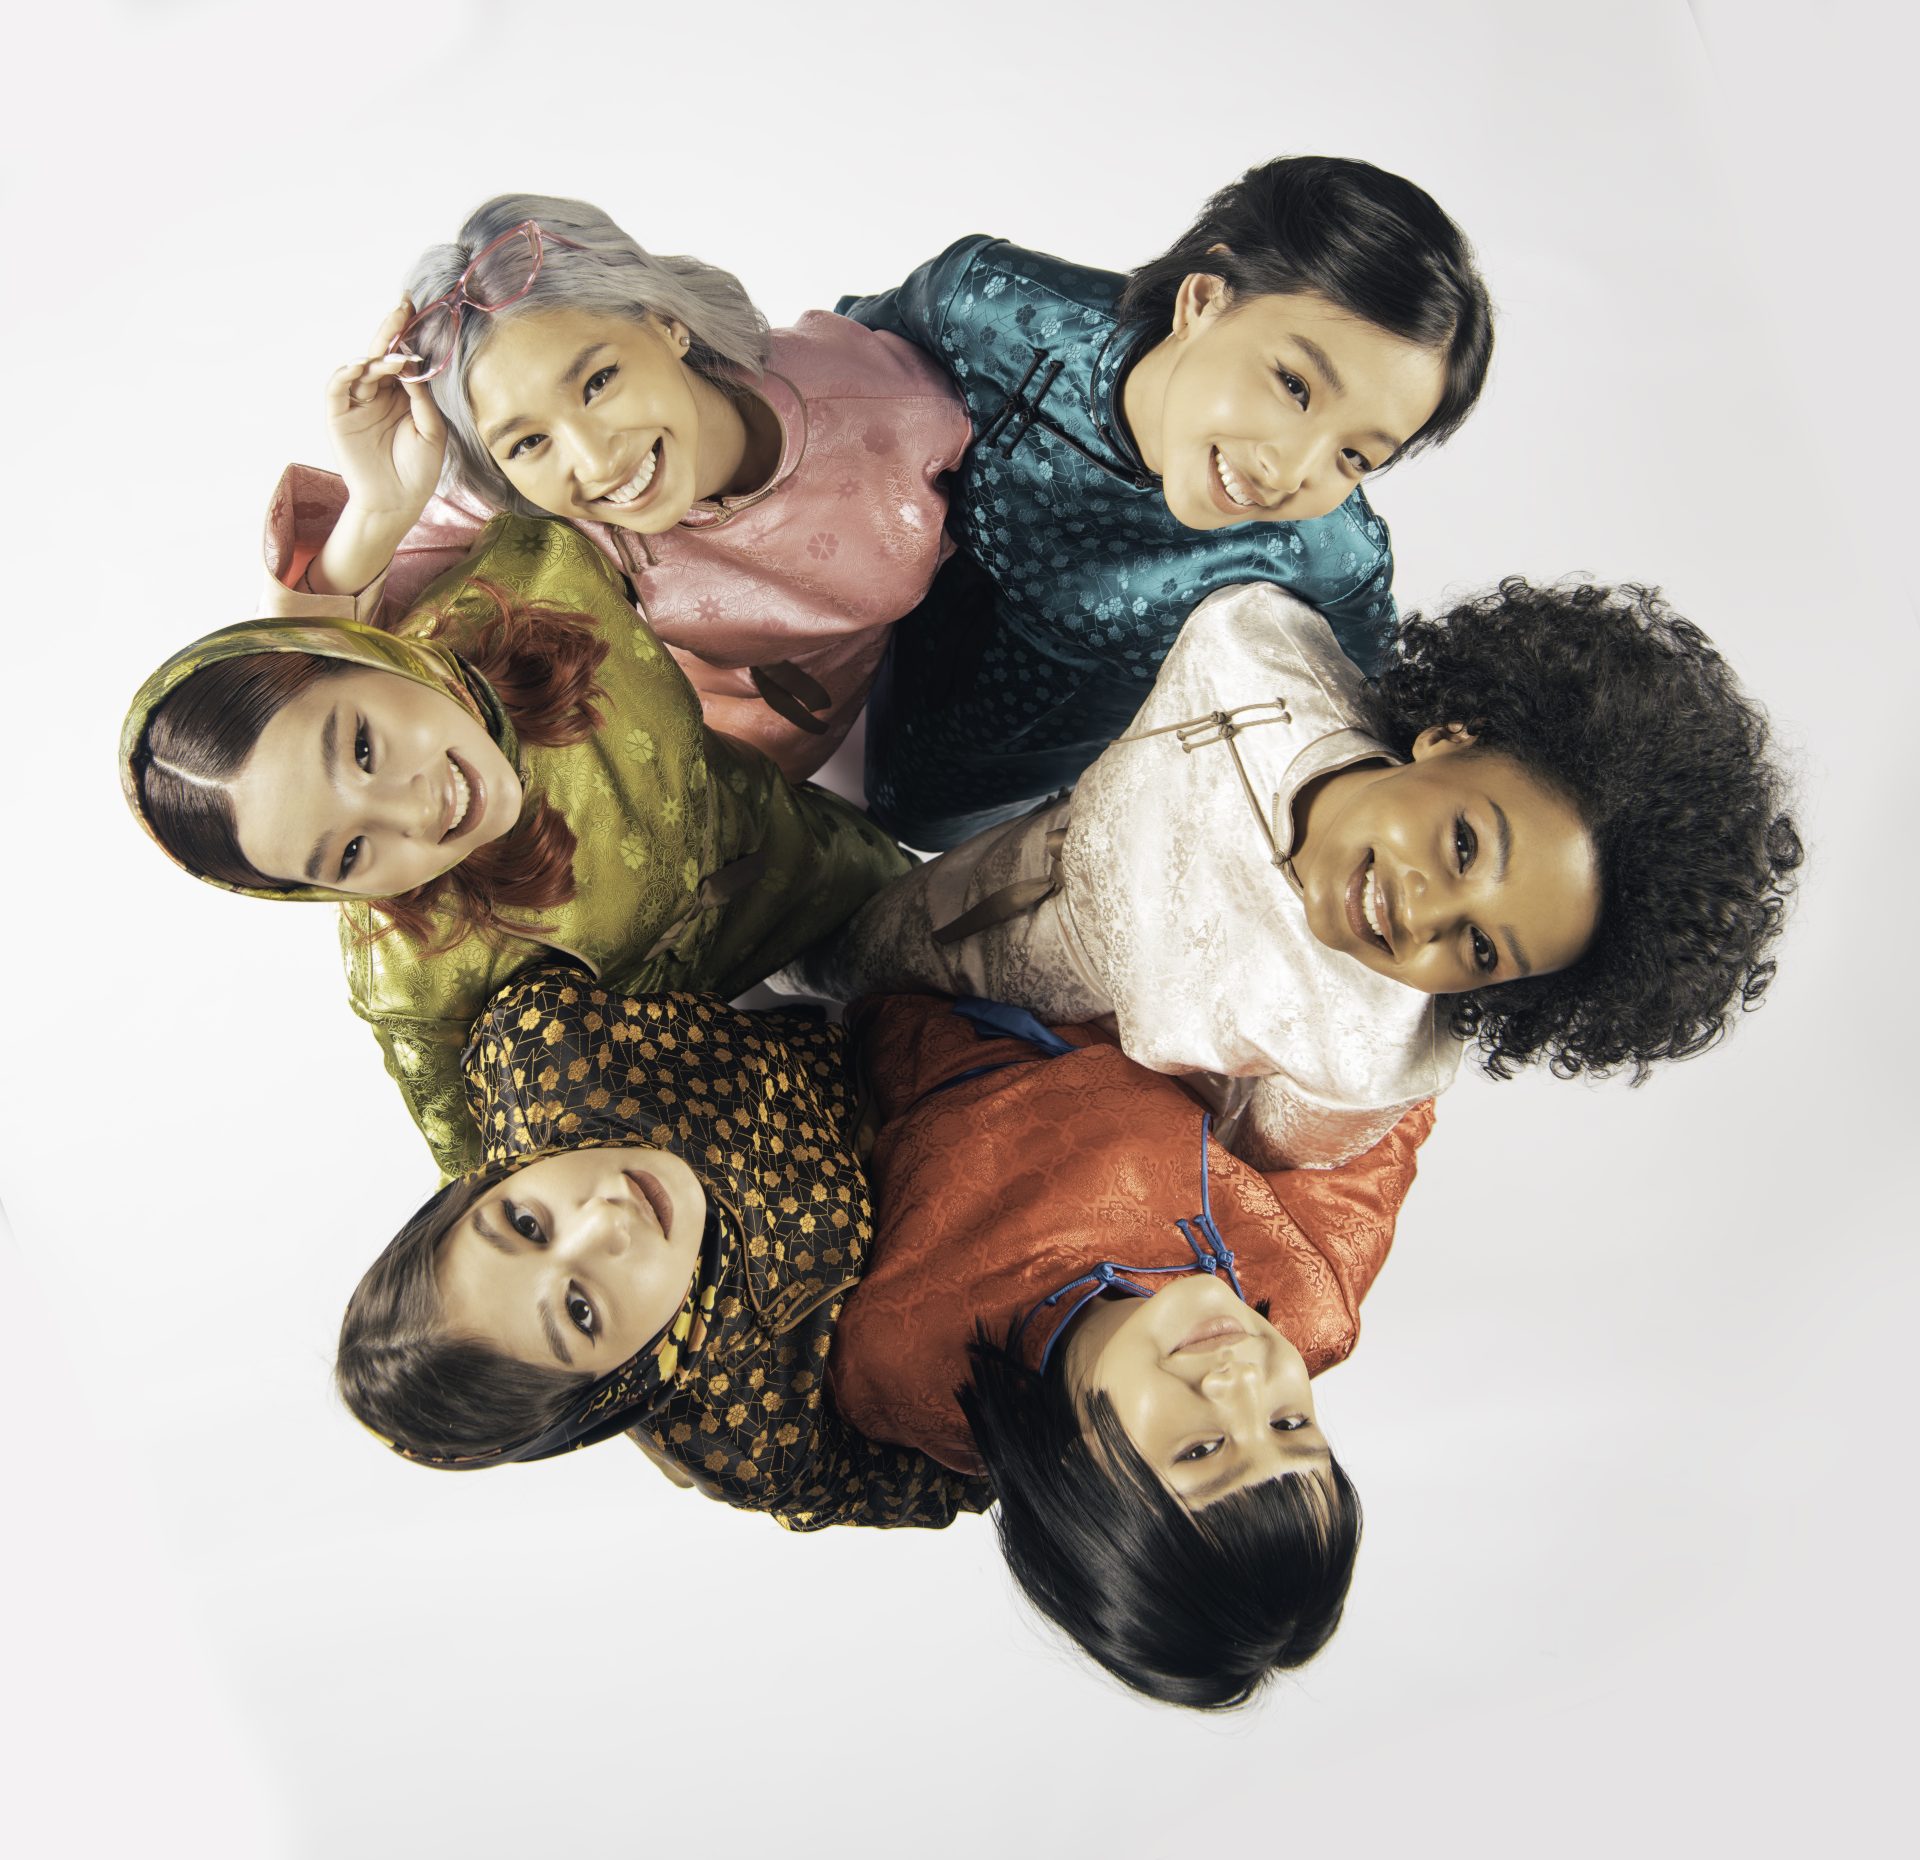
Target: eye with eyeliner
350 854
1466 843
599 380
526 1225
522 446
1199 1450
581 1314
1294 385
363 745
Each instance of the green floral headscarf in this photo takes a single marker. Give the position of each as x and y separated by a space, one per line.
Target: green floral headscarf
424 661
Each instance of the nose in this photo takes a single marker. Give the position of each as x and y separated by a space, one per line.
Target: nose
592 455
1286 468
1432 909
410 806
598 1233
1230 1377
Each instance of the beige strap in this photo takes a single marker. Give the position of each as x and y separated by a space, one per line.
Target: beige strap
1222 726
716 889
1010 901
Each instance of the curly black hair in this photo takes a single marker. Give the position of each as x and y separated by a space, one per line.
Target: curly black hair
1612 700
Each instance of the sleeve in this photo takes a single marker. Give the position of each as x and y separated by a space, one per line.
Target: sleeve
1349 1212
1272 1124
423 1059
307 503
808 1468
421 1011
916 308
1364 615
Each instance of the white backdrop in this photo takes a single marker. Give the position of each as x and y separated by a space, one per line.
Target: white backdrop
1630 1412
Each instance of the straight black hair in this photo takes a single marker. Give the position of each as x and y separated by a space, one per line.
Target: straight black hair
1368 242
1193 1608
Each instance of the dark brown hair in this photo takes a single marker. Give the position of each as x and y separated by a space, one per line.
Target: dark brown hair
410 1381
540 663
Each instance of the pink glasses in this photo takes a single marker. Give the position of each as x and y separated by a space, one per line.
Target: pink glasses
434 327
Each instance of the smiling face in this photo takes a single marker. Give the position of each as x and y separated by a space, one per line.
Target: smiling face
577 1260
1212 1397
600 417
1272 409
1451 872
371 784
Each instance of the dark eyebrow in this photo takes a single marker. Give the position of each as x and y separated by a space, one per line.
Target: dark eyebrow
577 367
329 761
554 1340
1324 362
1204 1494
487 1234
1504 828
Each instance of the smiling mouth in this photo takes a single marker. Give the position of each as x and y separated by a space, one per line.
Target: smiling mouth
1367 914
460 809
640 483
1239 492
650 1191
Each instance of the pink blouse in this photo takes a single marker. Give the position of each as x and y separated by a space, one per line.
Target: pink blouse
810 571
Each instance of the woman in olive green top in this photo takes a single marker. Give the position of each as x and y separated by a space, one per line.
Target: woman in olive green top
518 770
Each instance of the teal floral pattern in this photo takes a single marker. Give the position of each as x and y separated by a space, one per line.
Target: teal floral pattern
1038 643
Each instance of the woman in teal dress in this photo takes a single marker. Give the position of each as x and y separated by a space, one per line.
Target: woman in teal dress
1141 441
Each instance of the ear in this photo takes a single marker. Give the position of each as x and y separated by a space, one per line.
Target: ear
1441 739
676 333
1202 296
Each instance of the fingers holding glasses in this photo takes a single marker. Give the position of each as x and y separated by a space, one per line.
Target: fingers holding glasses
387 433
391 325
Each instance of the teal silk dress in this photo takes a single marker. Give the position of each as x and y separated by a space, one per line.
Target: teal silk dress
1039 641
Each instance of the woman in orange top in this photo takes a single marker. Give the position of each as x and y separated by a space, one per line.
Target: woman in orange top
675 1237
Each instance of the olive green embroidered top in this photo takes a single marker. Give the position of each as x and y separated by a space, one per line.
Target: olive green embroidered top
697 864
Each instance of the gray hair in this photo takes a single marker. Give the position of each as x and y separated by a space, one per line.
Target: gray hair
613 276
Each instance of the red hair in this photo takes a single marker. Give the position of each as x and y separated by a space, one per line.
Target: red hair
541 663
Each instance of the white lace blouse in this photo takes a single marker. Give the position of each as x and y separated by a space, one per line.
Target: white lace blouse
1189 926
1166 907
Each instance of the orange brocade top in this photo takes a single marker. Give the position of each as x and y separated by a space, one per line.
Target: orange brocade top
994 1193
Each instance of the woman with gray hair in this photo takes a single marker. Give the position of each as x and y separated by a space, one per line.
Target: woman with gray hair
773 499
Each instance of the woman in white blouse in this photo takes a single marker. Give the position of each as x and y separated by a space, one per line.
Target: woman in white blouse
1554 809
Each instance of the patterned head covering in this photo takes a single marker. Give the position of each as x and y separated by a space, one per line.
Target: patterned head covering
757 1104
612 1403
424 661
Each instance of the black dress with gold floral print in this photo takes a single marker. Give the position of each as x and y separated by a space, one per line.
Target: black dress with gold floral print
759 1105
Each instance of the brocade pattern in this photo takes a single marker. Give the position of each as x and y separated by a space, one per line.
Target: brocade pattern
759 1106
1031 654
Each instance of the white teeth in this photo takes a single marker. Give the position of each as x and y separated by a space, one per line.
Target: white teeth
635 487
1230 481
1370 907
462 798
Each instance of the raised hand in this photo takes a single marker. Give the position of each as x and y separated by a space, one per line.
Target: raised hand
389 441
387 433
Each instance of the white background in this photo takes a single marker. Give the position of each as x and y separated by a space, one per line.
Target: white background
1632 1413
